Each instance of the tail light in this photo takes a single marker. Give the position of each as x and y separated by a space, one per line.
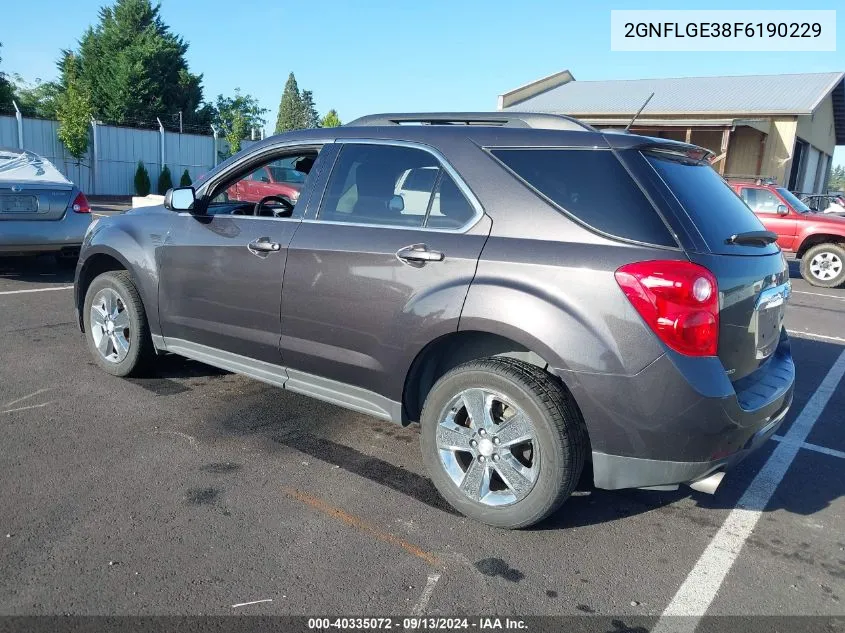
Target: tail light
80 204
678 300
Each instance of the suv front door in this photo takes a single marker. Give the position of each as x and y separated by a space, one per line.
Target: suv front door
222 270
369 280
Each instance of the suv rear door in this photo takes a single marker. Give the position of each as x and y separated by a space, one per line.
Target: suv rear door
372 277
753 278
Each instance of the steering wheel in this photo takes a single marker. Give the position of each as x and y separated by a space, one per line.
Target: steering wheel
278 213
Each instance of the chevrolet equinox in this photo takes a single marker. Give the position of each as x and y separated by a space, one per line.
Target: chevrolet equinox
536 293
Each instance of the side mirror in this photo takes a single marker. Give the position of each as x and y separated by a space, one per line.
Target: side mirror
782 210
180 199
396 204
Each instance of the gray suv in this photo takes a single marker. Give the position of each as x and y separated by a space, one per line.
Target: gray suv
536 293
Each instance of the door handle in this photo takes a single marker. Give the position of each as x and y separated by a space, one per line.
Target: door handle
419 253
263 245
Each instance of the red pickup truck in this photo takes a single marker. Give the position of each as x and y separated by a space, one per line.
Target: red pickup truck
816 239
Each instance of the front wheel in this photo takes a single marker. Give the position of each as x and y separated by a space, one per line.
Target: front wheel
503 441
116 328
823 265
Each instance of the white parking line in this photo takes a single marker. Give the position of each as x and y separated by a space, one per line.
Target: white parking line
701 585
422 603
819 294
820 337
813 447
19 292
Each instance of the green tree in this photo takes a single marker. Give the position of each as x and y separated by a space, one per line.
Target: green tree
135 68
38 99
331 119
291 114
142 180
73 111
309 110
836 180
185 180
165 181
237 116
7 92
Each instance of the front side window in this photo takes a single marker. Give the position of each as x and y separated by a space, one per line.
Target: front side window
761 200
239 195
393 186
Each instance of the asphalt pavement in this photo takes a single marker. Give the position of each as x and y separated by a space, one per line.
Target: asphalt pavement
196 491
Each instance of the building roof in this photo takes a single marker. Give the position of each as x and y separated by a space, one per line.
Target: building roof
743 95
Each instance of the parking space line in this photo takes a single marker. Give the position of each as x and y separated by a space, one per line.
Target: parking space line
701 585
813 447
360 524
819 294
422 603
32 395
820 337
32 406
20 292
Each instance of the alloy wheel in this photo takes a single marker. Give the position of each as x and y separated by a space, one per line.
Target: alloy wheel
488 447
110 325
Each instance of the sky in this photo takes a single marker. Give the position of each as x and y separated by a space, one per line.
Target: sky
376 56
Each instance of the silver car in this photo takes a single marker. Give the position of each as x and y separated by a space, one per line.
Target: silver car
41 211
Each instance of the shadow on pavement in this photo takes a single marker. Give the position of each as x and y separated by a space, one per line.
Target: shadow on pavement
44 269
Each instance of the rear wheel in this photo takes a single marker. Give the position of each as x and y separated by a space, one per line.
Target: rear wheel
823 265
116 328
502 441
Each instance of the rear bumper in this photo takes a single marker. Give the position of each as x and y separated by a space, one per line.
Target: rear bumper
37 236
616 471
680 418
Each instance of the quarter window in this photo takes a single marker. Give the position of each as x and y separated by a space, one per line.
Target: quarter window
393 186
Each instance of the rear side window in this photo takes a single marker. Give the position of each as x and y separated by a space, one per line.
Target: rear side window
711 204
593 187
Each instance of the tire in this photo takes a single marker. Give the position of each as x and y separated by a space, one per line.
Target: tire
558 445
118 287
823 265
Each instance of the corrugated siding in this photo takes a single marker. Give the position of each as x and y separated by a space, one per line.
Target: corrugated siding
120 149
792 94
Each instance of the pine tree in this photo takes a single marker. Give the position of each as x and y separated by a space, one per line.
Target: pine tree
165 181
291 114
331 119
309 110
142 180
135 68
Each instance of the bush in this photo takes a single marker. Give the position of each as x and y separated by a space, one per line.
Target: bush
142 180
185 180
165 182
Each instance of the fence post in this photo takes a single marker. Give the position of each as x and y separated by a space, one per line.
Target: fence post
161 131
214 130
19 117
95 153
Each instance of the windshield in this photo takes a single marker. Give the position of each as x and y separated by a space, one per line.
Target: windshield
793 201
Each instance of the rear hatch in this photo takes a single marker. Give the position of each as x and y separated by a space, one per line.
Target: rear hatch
31 188
720 232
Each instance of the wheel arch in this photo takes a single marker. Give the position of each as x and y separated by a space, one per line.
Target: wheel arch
814 239
102 260
453 349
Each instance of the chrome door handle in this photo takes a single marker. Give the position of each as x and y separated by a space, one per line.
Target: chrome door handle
263 245
419 253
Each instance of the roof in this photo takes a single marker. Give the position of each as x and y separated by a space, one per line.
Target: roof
743 95
18 166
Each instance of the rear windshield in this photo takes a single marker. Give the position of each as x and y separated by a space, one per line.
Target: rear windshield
787 195
711 204
593 187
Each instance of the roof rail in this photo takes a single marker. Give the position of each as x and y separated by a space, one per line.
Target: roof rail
503 119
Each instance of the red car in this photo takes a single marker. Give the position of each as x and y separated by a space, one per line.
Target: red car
276 179
816 239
